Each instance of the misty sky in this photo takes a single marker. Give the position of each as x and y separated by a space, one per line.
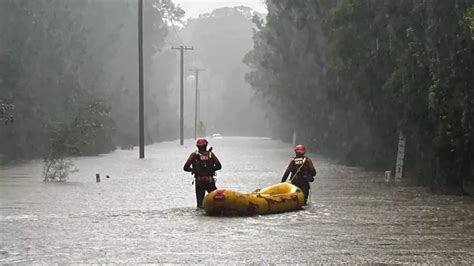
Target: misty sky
195 7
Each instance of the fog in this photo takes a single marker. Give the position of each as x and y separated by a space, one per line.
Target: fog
227 103
348 79
58 57
379 92
195 8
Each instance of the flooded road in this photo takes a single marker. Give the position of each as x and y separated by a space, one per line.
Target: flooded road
145 213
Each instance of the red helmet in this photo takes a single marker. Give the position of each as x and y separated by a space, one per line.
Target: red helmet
299 149
201 142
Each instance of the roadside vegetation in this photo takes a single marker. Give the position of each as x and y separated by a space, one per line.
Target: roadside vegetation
350 75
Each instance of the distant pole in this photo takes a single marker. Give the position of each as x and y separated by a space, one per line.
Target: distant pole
199 107
294 138
208 106
181 93
196 104
181 98
141 109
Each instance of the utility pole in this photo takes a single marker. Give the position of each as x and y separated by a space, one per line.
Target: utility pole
208 107
181 93
141 109
196 104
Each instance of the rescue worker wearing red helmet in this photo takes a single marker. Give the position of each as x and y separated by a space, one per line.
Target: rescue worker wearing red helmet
302 171
203 164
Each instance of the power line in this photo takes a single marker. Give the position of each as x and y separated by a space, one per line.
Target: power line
175 31
172 24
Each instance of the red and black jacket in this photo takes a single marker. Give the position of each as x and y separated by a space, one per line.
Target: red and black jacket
306 170
202 163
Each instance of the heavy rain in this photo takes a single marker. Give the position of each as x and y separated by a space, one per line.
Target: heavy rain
236 132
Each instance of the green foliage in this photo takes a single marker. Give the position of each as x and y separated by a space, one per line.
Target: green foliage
349 75
6 112
57 169
470 18
70 70
88 133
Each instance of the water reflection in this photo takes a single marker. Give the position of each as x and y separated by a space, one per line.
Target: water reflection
145 214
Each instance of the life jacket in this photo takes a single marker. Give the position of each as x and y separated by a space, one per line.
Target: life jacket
300 169
203 164
299 161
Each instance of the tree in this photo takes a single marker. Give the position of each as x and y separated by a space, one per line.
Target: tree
374 68
59 57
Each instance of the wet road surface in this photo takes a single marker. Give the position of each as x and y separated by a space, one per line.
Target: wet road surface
145 213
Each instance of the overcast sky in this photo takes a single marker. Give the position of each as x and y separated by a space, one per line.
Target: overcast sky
195 7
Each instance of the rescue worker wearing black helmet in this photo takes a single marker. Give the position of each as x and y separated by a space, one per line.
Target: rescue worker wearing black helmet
203 164
302 171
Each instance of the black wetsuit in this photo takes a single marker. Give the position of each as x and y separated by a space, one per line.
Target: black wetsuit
302 172
203 164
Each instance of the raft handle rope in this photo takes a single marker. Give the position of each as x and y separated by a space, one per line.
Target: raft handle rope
298 171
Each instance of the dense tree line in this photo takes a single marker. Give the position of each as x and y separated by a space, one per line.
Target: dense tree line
350 75
69 68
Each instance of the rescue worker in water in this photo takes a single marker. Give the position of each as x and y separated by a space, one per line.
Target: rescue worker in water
203 164
302 171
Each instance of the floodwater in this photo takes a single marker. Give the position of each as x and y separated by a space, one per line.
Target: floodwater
145 213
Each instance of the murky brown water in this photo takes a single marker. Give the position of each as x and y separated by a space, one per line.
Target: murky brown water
145 214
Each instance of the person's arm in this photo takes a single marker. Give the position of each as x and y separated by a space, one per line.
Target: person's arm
311 169
217 165
287 172
187 166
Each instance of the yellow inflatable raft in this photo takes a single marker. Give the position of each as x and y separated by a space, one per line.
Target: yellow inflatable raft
281 197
